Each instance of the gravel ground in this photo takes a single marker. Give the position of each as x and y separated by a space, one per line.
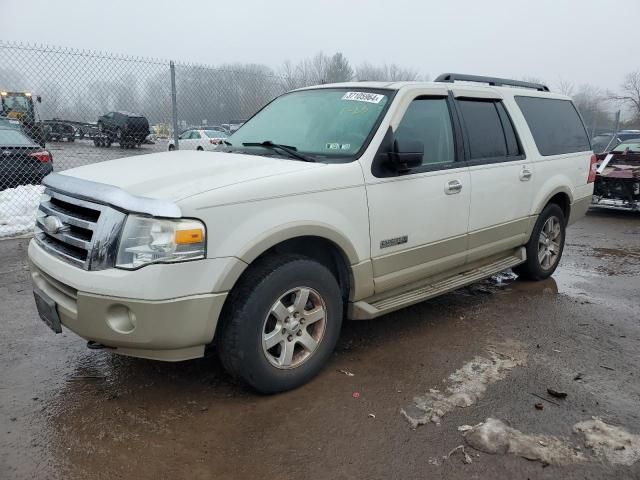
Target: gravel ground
83 152
68 412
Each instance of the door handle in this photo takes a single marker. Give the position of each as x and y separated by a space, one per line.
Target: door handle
525 174
452 187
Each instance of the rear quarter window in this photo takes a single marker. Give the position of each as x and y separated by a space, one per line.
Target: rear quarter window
555 125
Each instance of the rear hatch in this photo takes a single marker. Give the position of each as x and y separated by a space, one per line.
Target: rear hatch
138 125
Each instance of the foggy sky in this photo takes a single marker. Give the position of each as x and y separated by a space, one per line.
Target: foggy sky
582 41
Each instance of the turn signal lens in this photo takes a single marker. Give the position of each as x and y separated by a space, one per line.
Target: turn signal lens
184 237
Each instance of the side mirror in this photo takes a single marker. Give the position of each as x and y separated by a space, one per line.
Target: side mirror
39 99
406 154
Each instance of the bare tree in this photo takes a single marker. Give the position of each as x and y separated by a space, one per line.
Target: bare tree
391 73
592 103
565 87
338 69
630 93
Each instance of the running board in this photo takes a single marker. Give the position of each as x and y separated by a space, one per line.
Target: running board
362 310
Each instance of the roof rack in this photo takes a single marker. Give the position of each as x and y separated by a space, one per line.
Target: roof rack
497 82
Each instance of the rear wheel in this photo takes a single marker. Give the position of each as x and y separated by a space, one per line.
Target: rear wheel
172 148
545 246
280 323
200 149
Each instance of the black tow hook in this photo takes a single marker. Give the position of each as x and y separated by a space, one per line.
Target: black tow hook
92 345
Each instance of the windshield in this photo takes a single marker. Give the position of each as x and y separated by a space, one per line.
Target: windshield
324 123
13 138
632 146
18 103
215 134
9 123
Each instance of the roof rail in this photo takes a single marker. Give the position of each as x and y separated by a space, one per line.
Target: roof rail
497 82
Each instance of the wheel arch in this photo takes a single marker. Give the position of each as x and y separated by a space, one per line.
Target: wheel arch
317 242
561 196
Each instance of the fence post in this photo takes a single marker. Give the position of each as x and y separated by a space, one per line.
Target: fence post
174 104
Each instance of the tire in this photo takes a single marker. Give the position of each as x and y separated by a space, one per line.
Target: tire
172 148
200 149
551 225
107 143
248 317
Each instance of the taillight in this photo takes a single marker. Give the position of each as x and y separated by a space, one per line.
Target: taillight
42 156
593 166
214 142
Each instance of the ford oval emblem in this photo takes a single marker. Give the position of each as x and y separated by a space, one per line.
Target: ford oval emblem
53 224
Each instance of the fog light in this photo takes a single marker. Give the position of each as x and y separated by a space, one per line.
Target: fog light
120 319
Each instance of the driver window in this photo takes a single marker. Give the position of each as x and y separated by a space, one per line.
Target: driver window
195 135
428 121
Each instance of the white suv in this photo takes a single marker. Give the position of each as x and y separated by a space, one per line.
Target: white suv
348 200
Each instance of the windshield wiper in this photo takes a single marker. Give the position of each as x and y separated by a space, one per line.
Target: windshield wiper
289 150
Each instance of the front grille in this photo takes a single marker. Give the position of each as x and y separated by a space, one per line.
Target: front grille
80 232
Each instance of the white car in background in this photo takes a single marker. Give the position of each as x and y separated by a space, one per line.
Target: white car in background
198 139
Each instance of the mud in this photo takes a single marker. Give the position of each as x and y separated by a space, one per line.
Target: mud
71 413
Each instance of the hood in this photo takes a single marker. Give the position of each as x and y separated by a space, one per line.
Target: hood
175 176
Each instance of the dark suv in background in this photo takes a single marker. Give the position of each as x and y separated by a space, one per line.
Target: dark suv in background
127 129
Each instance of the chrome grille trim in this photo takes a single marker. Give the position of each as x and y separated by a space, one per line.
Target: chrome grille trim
96 253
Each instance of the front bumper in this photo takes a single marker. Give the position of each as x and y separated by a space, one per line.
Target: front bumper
176 327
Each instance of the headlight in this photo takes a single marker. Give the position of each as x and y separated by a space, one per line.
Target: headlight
148 240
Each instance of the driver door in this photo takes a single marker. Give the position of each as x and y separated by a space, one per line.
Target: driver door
419 219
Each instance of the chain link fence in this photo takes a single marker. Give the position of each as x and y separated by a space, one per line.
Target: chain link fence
84 107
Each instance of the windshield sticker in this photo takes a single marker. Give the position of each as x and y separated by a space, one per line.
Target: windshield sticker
338 146
363 97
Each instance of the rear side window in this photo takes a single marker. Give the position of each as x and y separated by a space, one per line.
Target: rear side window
555 125
490 133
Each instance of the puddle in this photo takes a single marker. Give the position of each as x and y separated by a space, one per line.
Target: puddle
610 442
465 386
496 437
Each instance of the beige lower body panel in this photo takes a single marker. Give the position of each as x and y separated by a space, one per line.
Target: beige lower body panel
579 209
171 330
447 256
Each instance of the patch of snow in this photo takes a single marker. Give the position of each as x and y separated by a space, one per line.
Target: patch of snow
613 443
504 277
466 386
18 209
495 437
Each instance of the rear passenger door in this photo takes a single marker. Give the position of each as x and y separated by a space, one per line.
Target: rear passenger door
501 175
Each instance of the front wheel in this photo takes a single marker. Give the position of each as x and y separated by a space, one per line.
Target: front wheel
545 246
280 323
